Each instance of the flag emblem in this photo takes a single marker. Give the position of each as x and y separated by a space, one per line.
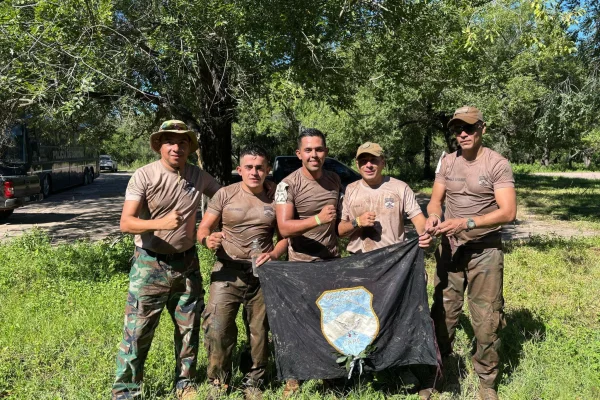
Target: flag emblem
348 320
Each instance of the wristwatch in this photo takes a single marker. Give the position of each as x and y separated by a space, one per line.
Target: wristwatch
354 223
470 224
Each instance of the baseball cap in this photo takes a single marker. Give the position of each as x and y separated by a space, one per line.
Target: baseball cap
467 114
370 148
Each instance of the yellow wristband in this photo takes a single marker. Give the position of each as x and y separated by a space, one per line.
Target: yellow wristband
318 220
358 222
435 215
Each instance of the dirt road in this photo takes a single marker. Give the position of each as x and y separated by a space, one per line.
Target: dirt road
84 212
578 175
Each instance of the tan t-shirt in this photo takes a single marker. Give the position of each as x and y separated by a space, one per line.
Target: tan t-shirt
160 191
309 197
470 187
389 201
244 217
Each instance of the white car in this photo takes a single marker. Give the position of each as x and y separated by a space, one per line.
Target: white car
108 164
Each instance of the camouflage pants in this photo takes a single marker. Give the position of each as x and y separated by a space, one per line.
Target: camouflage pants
481 272
233 284
156 281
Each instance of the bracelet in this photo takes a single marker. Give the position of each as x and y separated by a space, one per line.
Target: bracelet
203 241
318 220
358 222
435 215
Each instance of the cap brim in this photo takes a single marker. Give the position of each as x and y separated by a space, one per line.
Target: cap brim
155 145
467 119
376 154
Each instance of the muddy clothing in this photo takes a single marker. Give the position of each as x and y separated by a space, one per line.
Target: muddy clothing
161 191
472 260
390 201
244 217
309 197
156 281
232 284
470 187
480 271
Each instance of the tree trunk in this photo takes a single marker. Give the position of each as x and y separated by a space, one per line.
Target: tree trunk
545 155
427 139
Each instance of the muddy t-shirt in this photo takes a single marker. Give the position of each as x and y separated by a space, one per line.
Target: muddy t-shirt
470 187
244 217
309 197
390 201
160 191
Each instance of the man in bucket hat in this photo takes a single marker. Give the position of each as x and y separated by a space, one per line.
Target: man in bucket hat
477 186
160 209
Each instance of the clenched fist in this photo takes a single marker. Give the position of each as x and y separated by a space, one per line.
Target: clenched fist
327 214
172 220
367 219
213 241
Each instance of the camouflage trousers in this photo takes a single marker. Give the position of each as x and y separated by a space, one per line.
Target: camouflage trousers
156 281
232 284
480 272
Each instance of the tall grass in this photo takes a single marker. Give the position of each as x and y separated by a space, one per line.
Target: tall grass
61 313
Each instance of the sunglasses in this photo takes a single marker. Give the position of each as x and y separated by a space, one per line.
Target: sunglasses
468 128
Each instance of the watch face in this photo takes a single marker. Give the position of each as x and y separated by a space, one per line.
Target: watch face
470 224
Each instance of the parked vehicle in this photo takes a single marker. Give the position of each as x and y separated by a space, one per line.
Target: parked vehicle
17 185
108 164
285 165
57 164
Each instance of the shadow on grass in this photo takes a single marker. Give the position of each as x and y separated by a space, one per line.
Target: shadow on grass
544 243
560 197
521 327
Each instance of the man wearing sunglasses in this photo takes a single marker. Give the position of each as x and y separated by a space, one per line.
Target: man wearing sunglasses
477 186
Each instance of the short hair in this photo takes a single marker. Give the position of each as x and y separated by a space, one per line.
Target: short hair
254 150
311 132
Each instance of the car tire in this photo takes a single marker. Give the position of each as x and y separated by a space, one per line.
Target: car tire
47 186
4 214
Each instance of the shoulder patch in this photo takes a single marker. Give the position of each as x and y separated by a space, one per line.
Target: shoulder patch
281 193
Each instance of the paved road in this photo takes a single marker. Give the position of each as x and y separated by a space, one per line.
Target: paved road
93 212
82 212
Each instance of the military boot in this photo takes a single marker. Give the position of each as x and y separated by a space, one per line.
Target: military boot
187 393
487 394
292 386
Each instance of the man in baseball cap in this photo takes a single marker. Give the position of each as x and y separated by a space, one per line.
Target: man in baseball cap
160 207
373 211
478 187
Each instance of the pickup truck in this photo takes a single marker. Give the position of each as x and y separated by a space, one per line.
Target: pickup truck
285 165
17 189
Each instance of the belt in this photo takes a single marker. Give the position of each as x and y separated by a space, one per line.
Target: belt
237 264
167 257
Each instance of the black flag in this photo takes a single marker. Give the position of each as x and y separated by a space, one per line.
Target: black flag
369 308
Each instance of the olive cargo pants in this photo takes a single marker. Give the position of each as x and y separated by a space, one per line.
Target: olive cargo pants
232 284
156 281
480 271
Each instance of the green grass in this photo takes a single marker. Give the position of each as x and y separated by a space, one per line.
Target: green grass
559 198
61 313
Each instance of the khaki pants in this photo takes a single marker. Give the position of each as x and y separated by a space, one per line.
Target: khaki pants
480 272
233 284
